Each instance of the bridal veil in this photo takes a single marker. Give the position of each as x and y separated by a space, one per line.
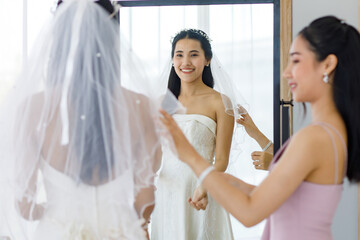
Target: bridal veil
80 143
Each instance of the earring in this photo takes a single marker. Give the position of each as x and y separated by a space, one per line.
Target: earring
326 78
207 65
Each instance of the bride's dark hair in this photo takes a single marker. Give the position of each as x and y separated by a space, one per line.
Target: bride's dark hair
330 35
92 138
106 4
174 82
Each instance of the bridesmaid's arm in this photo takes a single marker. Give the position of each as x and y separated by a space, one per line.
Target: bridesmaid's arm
253 207
239 184
261 159
302 156
254 132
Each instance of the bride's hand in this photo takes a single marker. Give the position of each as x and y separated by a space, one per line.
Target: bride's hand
199 200
184 149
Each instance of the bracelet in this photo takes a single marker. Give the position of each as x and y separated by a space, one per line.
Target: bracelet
267 146
204 174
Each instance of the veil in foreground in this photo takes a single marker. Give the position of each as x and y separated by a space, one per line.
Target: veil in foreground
79 149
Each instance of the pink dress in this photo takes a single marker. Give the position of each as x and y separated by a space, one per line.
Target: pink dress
308 213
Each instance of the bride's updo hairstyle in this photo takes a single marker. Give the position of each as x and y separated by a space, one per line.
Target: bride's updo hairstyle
174 82
330 35
106 4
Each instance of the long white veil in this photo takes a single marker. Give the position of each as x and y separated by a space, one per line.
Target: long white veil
79 149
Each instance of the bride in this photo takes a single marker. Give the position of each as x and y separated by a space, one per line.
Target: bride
209 127
79 151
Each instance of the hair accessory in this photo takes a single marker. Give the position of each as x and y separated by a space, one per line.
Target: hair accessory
204 174
117 7
197 31
326 78
342 21
53 7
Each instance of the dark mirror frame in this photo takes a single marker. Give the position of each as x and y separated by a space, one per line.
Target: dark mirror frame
276 59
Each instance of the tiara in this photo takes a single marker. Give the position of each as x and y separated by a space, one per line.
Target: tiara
117 7
193 30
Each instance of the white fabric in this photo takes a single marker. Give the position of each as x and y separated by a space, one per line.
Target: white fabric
91 215
232 98
173 217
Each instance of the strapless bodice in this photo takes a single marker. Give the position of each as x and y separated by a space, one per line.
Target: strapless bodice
200 130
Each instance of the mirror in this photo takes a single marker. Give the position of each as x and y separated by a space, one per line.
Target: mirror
242 38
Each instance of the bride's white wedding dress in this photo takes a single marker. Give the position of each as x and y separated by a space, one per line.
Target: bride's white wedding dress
90 212
173 217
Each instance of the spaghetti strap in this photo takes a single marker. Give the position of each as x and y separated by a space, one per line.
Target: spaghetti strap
340 136
326 127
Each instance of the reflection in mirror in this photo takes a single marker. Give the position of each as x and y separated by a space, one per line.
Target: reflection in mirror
242 39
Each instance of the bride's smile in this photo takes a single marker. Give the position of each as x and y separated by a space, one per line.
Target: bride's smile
189 60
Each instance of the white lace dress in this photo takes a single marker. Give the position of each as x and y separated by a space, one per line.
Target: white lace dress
89 212
173 217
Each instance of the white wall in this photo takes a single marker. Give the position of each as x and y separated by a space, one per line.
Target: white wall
304 11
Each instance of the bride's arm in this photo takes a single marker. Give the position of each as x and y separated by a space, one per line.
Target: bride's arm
27 164
224 131
145 199
26 204
144 205
30 210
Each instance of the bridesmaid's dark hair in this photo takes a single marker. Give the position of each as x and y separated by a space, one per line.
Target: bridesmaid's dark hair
174 82
330 35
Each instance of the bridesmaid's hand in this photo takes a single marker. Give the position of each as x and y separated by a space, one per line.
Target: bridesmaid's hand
184 149
248 124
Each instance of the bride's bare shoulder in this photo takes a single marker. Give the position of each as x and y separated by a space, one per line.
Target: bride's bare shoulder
34 102
131 95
